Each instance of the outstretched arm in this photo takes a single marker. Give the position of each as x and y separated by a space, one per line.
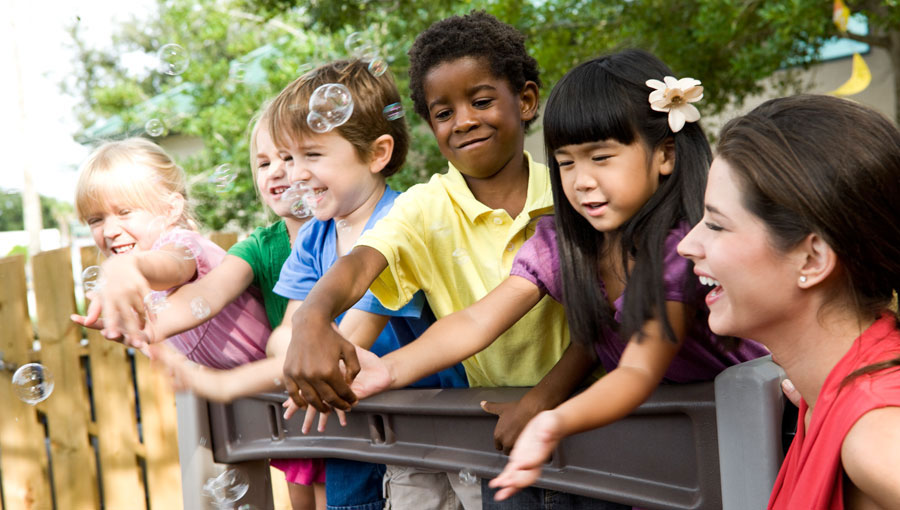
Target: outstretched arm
641 368
312 362
452 338
130 278
222 285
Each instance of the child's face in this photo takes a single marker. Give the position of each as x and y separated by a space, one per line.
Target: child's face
476 117
754 286
122 229
271 177
607 182
331 167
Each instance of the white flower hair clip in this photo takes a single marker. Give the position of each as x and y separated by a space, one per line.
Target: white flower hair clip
675 96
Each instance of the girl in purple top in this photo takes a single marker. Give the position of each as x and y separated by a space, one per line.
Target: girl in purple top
628 166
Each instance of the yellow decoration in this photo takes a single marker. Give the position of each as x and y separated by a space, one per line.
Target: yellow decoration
840 15
859 79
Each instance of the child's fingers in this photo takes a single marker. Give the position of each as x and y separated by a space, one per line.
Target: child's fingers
308 420
342 417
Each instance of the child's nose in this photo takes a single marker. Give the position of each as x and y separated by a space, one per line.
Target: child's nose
584 181
111 226
298 172
466 120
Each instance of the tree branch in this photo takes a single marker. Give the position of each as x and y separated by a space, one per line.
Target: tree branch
881 42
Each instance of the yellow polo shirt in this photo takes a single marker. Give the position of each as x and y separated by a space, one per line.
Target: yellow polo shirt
440 239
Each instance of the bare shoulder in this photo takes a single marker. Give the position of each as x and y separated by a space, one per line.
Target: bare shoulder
870 455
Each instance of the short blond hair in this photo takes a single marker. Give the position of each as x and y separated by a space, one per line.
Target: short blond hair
371 94
134 172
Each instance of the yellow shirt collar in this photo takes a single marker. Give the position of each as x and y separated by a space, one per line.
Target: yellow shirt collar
538 202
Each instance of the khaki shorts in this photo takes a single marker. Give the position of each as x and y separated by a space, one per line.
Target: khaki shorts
415 488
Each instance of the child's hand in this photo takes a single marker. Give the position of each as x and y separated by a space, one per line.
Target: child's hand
513 418
122 299
312 369
185 374
373 377
533 447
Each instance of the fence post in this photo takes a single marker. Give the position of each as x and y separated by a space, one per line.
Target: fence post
23 460
68 411
224 239
114 409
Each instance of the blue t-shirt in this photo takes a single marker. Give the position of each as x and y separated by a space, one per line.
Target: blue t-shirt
315 250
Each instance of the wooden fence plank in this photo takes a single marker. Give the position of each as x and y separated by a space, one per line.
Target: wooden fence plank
114 410
68 411
224 239
160 431
23 460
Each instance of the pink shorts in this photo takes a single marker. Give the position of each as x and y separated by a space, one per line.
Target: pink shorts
302 471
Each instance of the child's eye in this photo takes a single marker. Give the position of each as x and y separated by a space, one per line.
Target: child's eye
124 212
564 163
482 103
312 155
600 157
262 164
713 226
442 115
94 220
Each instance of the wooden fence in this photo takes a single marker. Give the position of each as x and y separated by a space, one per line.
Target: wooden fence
106 438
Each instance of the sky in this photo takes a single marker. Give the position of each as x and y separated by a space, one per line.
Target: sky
43 139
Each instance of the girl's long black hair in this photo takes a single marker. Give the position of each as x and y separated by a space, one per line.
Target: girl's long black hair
607 98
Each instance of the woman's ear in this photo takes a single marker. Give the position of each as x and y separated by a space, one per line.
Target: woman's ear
818 261
382 150
664 156
529 99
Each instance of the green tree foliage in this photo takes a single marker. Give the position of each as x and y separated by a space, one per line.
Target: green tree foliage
52 211
244 52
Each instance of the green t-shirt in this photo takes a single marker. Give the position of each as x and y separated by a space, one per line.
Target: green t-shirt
265 250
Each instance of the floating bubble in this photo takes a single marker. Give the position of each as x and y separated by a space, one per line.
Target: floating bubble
228 487
155 127
333 102
393 111
355 44
156 302
33 383
318 123
92 279
461 257
238 72
378 66
467 477
223 177
173 59
343 226
199 308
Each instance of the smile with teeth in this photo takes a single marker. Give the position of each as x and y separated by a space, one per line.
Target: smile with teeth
712 282
277 190
122 248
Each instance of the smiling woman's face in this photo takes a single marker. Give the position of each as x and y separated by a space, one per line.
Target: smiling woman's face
754 286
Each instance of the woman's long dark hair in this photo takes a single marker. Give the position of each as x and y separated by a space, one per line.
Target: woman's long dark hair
820 164
602 99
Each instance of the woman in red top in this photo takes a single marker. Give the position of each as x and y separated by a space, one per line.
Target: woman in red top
800 242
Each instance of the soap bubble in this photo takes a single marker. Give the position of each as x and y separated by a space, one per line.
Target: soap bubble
92 279
357 45
223 177
155 128
33 383
228 487
173 59
393 111
378 66
333 102
467 477
343 226
298 195
156 302
199 308
318 123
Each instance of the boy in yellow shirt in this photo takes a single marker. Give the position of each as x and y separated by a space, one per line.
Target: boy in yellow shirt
455 236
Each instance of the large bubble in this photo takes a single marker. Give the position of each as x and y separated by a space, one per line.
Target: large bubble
223 177
155 128
33 383
330 106
173 59
228 487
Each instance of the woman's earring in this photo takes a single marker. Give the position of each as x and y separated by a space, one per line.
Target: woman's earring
803 279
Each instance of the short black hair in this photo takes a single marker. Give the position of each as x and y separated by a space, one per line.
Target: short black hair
477 34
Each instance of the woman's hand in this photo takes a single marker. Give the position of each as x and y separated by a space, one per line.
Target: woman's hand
538 440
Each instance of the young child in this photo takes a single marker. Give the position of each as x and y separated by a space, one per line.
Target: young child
255 261
801 241
132 196
346 168
626 177
454 237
